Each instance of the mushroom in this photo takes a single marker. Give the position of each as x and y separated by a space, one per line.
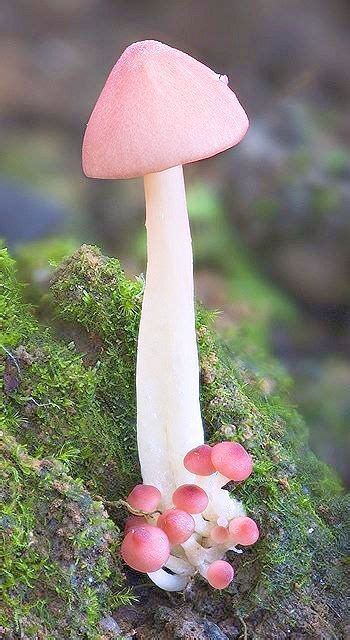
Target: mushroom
243 530
177 524
198 461
144 497
158 110
190 498
220 574
145 548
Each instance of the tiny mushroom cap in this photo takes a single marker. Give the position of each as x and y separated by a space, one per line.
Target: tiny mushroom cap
243 530
145 548
232 460
198 461
190 498
158 109
219 574
177 524
144 497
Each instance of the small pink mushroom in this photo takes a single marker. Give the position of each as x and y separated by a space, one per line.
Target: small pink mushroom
190 498
219 534
220 574
144 497
145 548
134 521
243 530
198 461
231 460
177 524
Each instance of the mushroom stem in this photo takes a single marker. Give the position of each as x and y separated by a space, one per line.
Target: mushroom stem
167 378
179 566
169 581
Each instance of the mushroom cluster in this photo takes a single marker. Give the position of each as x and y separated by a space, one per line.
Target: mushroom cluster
193 533
158 110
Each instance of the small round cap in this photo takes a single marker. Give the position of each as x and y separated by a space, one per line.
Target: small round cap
144 497
232 460
220 574
145 548
244 530
159 108
190 498
198 461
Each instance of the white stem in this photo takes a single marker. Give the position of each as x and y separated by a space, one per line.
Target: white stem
212 483
201 526
179 566
169 581
167 378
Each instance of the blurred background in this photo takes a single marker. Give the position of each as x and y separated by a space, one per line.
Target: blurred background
270 218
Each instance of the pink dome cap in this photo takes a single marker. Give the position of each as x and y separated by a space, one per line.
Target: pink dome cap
145 548
144 497
220 574
159 108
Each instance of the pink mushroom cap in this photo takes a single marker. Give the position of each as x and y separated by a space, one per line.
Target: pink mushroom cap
219 534
232 460
219 574
243 530
190 498
145 548
144 497
198 461
158 109
177 524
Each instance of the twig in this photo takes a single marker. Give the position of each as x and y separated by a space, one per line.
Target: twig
245 630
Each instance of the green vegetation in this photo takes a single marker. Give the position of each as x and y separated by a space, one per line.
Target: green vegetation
70 404
59 570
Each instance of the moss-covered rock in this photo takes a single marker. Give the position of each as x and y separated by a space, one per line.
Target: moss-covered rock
73 399
60 574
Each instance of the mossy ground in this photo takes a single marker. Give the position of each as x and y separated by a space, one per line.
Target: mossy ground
72 399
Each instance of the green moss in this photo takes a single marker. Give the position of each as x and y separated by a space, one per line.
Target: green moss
74 399
55 403
53 584
289 492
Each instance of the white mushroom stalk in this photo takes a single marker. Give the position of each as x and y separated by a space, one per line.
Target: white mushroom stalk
167 378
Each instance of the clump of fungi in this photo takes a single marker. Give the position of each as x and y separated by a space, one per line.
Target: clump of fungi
158 110
193 533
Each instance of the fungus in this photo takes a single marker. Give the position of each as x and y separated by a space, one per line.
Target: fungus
220 574
243 531
198 461
231 460
145 548
177 524
190 498
158 110
144 497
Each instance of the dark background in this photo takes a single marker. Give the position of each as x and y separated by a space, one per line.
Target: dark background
270 218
